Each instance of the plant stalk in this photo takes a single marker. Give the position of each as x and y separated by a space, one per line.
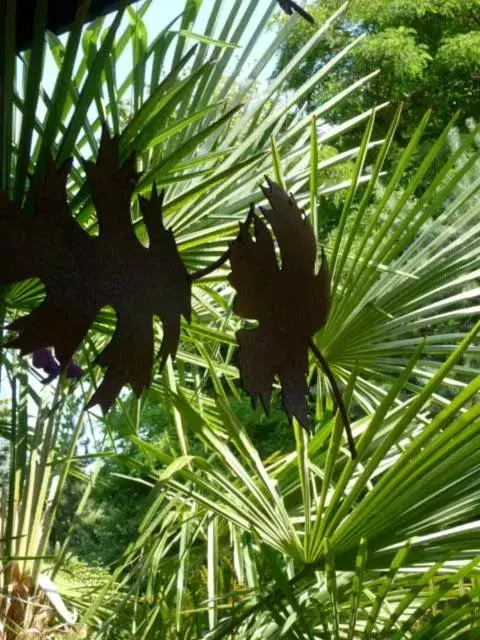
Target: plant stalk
336 394
201 273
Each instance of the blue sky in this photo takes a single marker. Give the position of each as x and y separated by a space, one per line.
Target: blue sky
160 14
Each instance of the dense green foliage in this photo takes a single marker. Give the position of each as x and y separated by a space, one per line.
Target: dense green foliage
186 513
428 53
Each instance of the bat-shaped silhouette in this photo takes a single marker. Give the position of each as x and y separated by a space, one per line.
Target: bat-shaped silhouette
289 6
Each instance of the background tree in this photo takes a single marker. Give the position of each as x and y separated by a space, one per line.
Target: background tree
428 52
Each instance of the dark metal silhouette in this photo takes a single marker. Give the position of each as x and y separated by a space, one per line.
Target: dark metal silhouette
289 301
84 273
289 6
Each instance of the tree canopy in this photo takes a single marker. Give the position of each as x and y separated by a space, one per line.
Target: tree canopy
427 51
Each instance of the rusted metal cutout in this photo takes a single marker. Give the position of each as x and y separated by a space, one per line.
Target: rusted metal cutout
83 273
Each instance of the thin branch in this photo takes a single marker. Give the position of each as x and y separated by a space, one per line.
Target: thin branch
289 6
336 394
201 273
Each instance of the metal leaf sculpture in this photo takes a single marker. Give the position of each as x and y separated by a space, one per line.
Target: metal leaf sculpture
290 301
289 6
83 273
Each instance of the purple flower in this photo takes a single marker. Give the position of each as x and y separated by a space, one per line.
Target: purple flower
44 359
74 371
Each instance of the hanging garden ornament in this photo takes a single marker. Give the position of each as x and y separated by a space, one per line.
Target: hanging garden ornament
289 6
83 273
289 300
